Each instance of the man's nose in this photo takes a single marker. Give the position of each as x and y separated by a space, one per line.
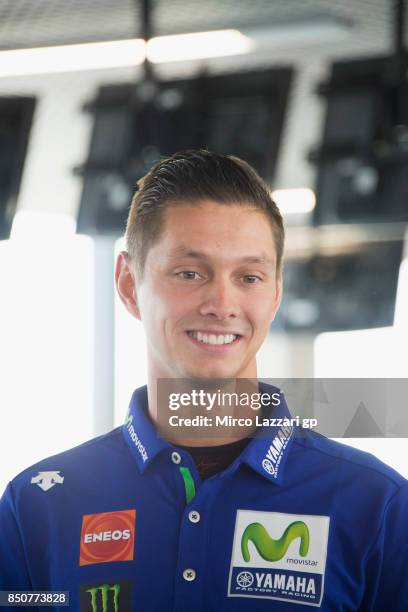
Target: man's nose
220 299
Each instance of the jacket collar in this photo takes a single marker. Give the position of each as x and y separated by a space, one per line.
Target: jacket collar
266 454
141 437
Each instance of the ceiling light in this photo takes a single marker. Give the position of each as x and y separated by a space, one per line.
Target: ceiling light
294 201
67 58
200 45
123 53
162 49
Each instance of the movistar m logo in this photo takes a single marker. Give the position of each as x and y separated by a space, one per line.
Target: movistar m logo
270 549
101 603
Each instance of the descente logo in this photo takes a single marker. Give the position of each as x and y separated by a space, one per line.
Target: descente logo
275 451
135 438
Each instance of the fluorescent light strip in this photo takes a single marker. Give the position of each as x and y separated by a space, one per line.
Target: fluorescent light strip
163 49
294 201
68 58
292 33
123 53
198 46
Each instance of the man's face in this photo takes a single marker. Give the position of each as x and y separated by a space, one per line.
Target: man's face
209 292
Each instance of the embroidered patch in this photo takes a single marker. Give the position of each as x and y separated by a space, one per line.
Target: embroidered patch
107 537
279 556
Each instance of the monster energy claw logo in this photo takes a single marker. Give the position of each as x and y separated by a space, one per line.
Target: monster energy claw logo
270 549
104 590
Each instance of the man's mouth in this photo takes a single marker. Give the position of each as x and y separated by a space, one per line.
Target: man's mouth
213 339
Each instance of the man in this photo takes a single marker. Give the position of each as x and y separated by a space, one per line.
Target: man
249 519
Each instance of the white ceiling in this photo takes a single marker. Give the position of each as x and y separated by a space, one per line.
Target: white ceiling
27 23
54 150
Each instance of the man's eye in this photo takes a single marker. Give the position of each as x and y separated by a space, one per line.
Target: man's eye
251 279
188 275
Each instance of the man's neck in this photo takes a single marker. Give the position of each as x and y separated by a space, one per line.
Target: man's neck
204 432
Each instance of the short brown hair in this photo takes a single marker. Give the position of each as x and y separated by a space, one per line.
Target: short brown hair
191 177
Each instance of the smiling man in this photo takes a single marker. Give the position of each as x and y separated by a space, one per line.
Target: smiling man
202 265
206 289
209 292
262 518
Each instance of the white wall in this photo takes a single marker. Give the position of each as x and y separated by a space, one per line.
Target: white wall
46 345
46 305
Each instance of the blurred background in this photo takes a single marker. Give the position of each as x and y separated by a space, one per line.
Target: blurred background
92 93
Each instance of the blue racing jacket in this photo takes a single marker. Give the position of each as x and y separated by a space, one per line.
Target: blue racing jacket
123 523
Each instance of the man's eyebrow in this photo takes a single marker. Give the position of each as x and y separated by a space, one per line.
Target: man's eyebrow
257 259
182 251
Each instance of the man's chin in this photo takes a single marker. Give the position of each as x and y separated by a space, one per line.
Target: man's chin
213 374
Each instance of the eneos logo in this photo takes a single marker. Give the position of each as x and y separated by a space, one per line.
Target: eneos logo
270 549
107 536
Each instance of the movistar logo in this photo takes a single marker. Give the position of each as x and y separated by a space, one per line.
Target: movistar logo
270 549
135 438
101 603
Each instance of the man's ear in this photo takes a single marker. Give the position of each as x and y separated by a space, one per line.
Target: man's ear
125 280
278 294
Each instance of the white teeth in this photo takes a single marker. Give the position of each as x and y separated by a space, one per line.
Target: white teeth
212 338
